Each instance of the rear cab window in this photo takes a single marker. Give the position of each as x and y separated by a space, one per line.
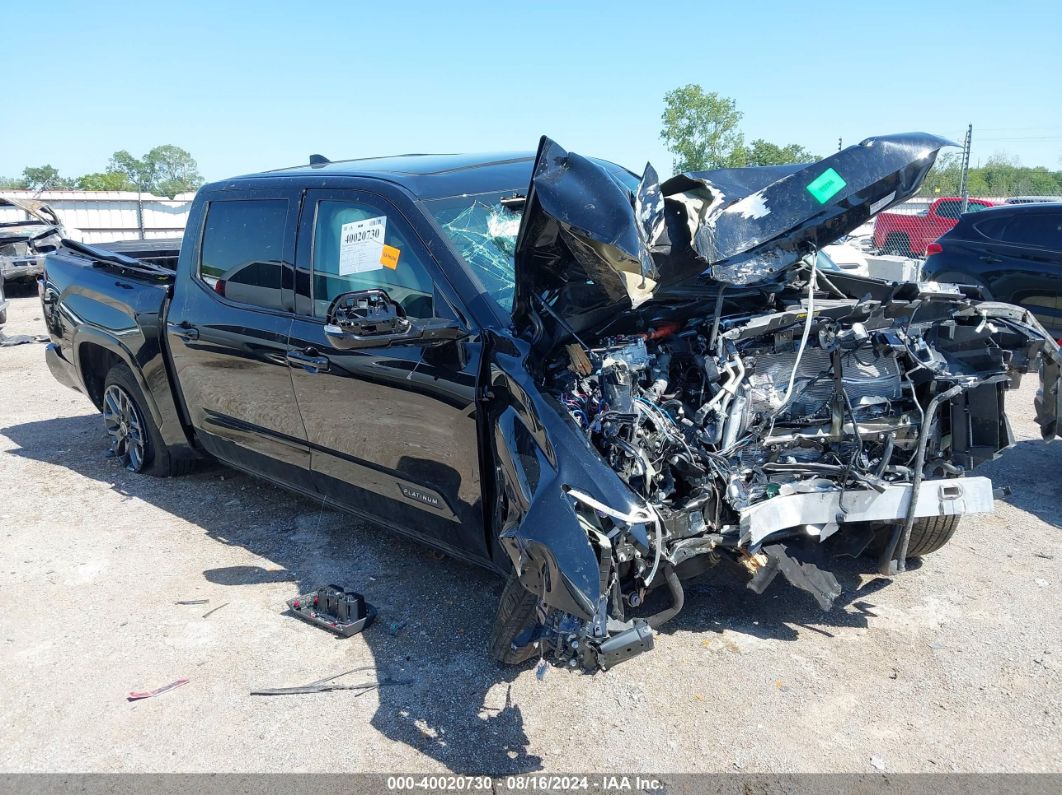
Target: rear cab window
949 209
952 208
241 257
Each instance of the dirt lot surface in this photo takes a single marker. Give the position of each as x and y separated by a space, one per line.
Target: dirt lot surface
955 665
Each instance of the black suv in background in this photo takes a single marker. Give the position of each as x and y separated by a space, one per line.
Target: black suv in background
1013 253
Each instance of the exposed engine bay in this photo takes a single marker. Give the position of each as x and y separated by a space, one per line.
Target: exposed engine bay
710 417
726 399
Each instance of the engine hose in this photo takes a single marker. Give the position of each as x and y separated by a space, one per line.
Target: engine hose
886 455
724 391
734 420
803 337
678 598
890 562
717 316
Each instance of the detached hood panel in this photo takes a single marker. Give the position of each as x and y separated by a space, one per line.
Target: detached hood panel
588 247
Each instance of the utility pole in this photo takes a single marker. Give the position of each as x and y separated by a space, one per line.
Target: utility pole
964 186
140 209
838 144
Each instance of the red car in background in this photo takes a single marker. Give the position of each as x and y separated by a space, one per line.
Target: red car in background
909 235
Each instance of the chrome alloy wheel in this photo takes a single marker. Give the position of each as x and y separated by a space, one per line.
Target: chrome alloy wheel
125 426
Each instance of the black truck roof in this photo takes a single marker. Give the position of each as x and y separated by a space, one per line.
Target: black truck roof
426 176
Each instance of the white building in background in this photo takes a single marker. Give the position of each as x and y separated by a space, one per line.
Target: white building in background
101 216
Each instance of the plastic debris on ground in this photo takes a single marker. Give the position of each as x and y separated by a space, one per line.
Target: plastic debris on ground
336 609
329 684
137 695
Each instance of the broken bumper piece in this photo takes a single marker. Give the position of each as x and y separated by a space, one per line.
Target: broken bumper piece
823 511
805 576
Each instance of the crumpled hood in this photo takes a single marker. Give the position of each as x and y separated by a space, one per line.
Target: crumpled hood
34 208
588 248
42 224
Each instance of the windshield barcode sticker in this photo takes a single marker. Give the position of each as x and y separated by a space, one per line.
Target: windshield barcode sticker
361 245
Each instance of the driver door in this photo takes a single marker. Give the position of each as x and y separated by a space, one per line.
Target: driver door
391 429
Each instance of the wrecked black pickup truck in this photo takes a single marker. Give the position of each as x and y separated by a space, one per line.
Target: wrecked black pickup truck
599 384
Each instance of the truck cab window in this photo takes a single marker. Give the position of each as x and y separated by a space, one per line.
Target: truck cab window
242 253
358 246
949 209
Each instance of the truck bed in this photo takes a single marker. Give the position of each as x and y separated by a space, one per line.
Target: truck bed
157 251
102 309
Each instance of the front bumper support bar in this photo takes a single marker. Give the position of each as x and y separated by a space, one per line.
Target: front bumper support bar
948 497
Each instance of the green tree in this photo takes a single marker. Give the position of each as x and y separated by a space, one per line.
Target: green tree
138 171
700 128
764 153
44 177
175 170
1041 182
945 176
105 180
166 170
1000 175
10 183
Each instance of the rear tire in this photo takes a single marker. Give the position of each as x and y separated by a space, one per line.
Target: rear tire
516 615
135 438
898 244
928 535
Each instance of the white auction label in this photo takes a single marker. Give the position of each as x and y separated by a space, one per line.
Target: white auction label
361 245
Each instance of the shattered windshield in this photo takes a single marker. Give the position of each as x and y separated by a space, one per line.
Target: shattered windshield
484 233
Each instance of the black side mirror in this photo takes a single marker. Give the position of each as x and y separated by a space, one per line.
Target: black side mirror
370 319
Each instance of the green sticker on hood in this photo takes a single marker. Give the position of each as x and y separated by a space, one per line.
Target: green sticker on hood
825 186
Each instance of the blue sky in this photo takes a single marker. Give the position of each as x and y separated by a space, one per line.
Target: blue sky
247 86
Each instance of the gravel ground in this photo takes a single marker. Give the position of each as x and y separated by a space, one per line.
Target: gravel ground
954 666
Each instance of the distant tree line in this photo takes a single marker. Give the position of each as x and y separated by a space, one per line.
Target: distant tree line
702 130
164 171
1000 175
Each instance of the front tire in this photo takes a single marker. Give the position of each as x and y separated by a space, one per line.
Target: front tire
928 534
135 439
516 617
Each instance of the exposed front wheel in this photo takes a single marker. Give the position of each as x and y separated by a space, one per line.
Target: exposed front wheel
515 621
135 439
928 534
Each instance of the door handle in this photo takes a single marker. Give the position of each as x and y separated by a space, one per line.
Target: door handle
185 330
990 259
310 361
